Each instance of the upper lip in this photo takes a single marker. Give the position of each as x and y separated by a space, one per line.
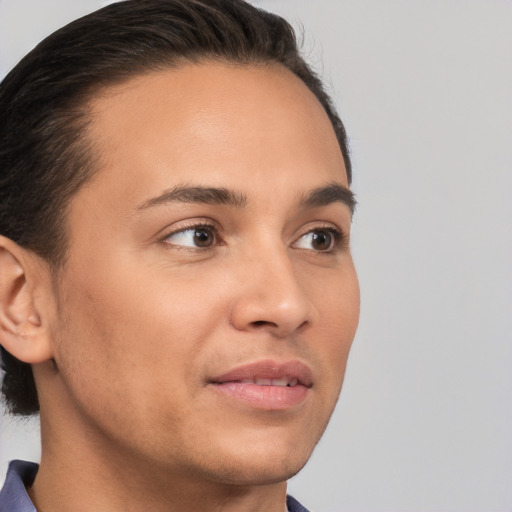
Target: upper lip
268 369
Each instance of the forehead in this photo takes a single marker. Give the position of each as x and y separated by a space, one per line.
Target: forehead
244 125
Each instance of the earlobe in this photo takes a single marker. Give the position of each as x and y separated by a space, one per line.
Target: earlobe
23 330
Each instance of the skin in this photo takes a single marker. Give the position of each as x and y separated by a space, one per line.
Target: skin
125 342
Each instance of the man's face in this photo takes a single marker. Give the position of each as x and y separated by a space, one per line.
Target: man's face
209 300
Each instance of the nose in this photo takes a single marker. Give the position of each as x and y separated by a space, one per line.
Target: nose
272 298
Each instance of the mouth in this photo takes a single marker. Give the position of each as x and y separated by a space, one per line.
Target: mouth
283 382
266 384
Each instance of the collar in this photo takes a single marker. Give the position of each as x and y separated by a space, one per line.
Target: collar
13 496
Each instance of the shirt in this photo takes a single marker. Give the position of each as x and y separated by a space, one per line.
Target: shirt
21 474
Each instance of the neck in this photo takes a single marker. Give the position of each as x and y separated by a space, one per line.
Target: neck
82 478
84 471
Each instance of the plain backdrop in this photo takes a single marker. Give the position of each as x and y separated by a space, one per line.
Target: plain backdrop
424 87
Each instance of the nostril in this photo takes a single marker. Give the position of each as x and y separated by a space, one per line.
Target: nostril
260 323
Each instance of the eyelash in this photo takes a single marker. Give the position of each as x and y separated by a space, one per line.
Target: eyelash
339 241
195 226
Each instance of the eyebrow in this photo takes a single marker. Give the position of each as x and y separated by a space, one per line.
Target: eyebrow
331 193
321 196
205 195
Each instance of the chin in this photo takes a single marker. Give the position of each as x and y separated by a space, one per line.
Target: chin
257 474
261 467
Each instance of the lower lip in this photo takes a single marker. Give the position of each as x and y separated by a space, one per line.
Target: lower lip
264 397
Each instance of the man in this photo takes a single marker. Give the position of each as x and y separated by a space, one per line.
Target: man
178 297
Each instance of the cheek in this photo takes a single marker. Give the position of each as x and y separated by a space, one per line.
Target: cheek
127 320
338 305
135 340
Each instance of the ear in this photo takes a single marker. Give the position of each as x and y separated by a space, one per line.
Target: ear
23 329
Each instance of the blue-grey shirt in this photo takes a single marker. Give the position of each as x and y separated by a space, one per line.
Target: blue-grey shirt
21 474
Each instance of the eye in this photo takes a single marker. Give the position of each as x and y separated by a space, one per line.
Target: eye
320 240
196 236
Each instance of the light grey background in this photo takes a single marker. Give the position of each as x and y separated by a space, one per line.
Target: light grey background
424 86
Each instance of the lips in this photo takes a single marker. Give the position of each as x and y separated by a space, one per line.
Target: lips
266 384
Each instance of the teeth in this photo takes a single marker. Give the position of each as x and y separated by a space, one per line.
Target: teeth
263 382
284 382
280 382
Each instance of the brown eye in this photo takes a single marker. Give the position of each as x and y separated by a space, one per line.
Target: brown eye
319 240
198 236
203 237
